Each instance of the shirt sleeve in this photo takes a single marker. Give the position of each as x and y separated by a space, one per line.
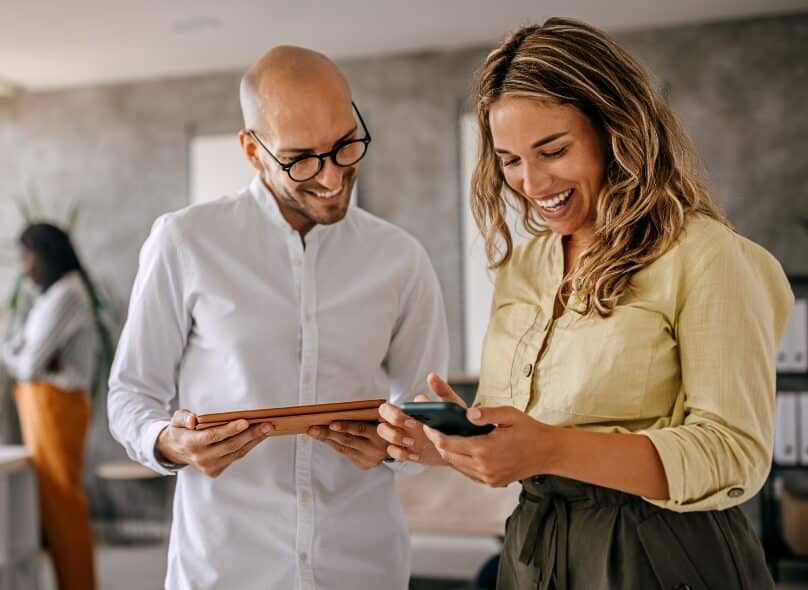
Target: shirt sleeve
420 342
49 326
143 377
728 328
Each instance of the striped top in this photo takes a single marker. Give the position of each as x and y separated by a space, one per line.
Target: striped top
59 327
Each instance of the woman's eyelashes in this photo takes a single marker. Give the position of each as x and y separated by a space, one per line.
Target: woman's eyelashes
542 154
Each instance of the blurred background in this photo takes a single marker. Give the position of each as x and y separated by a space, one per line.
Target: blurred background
112 113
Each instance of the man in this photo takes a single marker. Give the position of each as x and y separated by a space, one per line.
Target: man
279 296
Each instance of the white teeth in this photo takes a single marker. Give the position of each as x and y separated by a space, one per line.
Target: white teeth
327 195
556 201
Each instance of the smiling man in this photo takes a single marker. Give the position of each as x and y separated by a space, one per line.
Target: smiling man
280 295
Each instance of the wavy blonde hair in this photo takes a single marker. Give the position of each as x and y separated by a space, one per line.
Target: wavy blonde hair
651 179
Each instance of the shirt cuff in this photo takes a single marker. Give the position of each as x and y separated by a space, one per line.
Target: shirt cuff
148 450
681 499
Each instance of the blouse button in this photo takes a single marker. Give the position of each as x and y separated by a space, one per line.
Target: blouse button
735 493
527 369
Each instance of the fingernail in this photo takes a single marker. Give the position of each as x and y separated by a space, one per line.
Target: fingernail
408 441
243 425
414 457
314 431
475 413
334 426
410 423
266 428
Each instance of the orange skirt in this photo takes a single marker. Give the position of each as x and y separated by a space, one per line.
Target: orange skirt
54 426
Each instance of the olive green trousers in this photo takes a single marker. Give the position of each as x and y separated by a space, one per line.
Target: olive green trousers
567 535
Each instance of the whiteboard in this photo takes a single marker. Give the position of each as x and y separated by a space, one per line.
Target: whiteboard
478 281
218 167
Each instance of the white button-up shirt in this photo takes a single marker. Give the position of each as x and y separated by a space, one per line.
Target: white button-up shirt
230 311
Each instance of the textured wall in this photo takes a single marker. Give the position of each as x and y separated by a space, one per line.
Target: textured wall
739 89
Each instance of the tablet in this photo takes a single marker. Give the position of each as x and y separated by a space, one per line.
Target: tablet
298 419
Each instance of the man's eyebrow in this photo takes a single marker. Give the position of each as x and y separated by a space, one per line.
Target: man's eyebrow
292 151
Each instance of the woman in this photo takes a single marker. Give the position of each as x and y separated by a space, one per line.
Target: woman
51 360
629 360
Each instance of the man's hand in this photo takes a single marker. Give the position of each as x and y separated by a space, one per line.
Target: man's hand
212 450
405 435
358 441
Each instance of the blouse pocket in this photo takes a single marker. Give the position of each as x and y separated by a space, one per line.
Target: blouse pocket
508 326
599 367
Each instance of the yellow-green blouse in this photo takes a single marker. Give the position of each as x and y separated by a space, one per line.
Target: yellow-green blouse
687 358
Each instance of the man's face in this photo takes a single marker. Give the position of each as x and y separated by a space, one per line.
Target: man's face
305 130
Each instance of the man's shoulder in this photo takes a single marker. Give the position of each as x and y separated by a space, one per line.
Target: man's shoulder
210 218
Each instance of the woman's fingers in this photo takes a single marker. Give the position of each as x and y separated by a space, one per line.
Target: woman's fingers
443 391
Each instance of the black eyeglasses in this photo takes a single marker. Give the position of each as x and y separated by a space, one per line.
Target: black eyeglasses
345 153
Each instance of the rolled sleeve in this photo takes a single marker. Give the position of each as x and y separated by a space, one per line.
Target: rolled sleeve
717 451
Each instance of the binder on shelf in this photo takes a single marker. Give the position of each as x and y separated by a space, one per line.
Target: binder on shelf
786 443
803 424
792 356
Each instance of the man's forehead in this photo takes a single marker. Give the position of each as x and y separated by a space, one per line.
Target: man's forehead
309 125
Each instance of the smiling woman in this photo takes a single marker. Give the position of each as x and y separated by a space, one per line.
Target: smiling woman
629 358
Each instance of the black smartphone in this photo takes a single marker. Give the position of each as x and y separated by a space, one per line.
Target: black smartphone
446 417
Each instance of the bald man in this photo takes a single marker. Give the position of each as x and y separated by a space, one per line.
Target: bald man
279 295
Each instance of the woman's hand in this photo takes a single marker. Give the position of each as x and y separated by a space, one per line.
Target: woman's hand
406 435
518 448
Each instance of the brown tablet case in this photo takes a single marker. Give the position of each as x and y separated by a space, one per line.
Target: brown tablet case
298 419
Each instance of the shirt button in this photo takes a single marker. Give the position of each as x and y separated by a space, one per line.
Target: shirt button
308 316
303 556
304 495
296 262
527 369
307 378
735 493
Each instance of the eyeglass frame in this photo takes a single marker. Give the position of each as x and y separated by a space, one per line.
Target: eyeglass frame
331 154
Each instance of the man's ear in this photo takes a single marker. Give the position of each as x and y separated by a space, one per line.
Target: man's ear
250 150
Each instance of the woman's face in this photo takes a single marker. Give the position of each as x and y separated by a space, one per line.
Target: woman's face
30 266
554 157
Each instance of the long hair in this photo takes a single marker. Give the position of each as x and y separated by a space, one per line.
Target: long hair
651 176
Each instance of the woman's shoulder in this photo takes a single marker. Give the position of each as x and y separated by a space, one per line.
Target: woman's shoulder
68 291
706 241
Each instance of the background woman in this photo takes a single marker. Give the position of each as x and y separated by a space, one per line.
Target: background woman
52 361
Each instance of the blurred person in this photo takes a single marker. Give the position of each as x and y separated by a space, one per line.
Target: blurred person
51 360
278 296
629 359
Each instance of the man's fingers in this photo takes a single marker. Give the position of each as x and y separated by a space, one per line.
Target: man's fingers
363 429
234 443
443 391
183 419
217 434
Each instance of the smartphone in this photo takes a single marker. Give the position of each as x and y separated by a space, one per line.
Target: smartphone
446 417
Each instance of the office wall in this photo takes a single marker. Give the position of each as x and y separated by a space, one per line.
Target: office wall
739 89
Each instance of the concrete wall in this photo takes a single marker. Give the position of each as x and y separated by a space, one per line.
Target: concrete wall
739 89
